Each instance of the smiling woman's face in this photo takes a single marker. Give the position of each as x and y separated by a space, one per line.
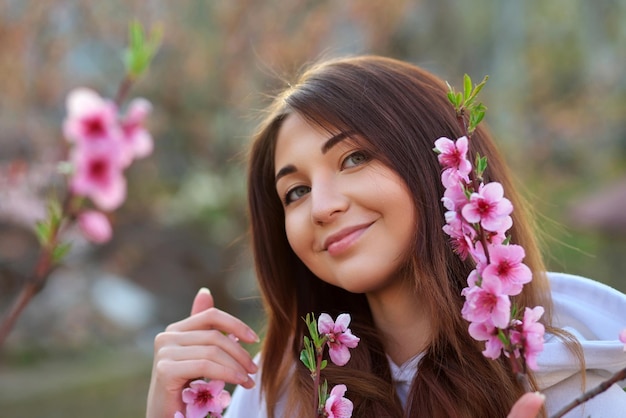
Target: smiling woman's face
348 217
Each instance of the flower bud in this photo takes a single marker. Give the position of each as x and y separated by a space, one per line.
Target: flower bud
95 226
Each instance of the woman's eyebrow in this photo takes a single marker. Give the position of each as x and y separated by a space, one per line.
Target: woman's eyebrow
288 169
334 140
326 146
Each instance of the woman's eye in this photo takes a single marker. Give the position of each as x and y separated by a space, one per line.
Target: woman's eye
354 159
296 193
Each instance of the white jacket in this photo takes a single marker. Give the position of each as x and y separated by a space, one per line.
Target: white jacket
593 312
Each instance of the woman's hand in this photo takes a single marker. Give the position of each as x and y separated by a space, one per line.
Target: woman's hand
201 345
527 406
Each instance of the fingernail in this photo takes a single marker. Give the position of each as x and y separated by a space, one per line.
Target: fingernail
204 290
541 395
242 378
253 367
252 336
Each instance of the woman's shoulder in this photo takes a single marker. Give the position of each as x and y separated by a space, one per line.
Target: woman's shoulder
594 313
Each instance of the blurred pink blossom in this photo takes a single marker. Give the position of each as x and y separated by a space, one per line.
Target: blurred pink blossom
622 337
204 397
336 405
138 141
340 338
90 118
95 226
98 174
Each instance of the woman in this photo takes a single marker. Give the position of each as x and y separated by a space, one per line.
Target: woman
344 197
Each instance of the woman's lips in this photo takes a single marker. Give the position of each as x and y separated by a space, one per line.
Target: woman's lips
339 242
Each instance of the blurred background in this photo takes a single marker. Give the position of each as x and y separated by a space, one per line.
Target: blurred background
557 106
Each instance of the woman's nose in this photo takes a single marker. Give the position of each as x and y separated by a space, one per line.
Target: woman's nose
327 202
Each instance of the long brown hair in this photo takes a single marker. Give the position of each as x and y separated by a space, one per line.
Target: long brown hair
399 110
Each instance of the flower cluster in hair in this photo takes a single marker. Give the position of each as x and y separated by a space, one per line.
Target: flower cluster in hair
339 339
477 220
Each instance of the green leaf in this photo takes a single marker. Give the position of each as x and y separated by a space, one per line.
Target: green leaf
467 86
480 86
304 358
42 230
459 99
324 364
54 213
60 251
141 51
452 97
481 164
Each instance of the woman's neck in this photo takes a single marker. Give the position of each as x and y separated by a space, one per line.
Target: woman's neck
400 317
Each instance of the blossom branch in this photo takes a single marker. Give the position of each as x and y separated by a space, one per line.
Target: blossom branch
103 145
338 337
620 375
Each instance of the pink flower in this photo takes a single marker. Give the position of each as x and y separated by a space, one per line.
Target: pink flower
336 405
98 175
461 234
486 331
454 197
622 337
95 226
339 336
506 265
453 157
137 139
487 303
532 334
204 397
179 414
90 118
489 208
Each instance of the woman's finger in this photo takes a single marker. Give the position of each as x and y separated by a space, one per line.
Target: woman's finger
202 301
166 344
214 318
528 405
209 362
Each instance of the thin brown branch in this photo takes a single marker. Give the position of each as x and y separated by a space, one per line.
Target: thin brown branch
621 375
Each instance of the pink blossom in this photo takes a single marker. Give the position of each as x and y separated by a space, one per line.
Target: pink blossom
489 208
622 337
137 139
487 303
90 118
204 397
95 226
179 414
454 197
336 405
98 175
461 234
506 265
453 157
340 338
532 334
486 331
479 255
